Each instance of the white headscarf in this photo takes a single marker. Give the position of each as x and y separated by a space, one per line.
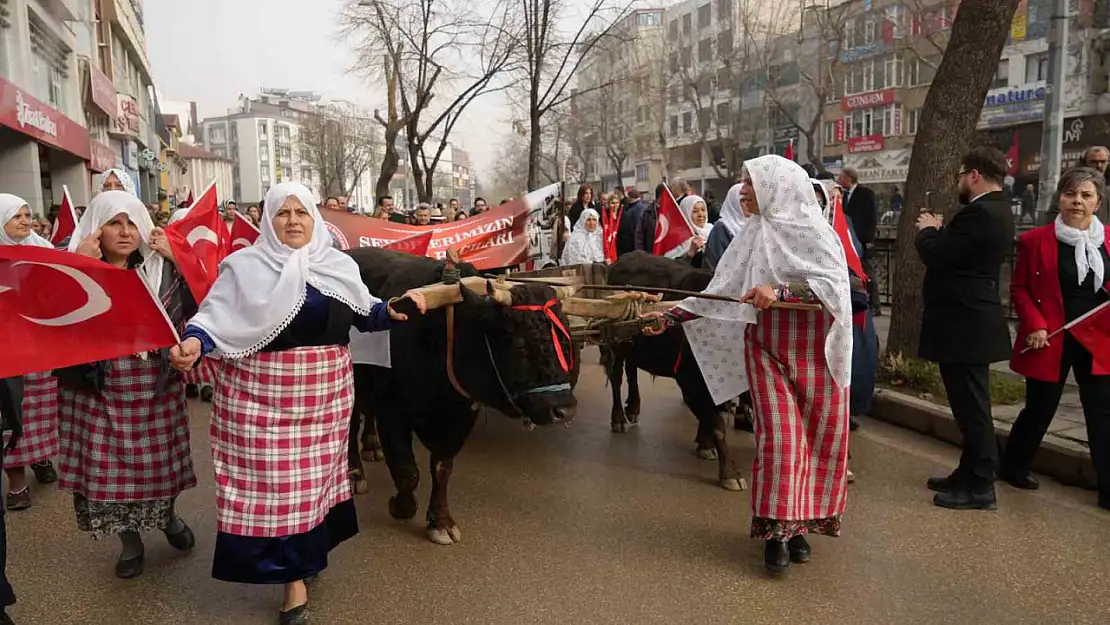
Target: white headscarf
1088 248
585 246
788 241
826 188
9 207
687 208
262 288
124 179
103 208
731 215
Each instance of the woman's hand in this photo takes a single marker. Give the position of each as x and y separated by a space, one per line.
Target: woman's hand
185 354
656 328
90 246
1037 339
761 297
697 244
160 243
417 298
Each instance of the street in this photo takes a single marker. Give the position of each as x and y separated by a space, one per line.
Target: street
578 525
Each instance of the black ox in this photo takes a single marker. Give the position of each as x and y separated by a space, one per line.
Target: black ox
668 356
505 355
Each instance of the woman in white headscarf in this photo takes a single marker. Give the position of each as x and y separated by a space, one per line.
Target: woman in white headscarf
697 213
587 242
116 180
798 361
123 423
39 440
280 316
728 226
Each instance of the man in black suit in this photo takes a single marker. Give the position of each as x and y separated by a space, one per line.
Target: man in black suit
861 207
963 325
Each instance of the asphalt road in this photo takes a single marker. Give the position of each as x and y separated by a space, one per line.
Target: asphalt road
578 525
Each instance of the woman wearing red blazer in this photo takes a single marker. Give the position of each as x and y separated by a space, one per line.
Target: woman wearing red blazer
1061 273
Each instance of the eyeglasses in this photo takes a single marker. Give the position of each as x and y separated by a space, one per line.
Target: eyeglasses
962 173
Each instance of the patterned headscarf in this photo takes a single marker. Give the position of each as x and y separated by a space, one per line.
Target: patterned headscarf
122 176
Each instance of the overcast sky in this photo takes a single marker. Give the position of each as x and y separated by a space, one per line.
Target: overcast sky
210 51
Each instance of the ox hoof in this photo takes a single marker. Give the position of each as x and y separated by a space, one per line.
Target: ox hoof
733 484
620 428
372 455
360 486
707 454
402 507
444 536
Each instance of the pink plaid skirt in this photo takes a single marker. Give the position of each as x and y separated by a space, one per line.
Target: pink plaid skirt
279 440
801 425
202 374
40 422
129 443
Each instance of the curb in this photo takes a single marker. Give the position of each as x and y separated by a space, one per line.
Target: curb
1068 463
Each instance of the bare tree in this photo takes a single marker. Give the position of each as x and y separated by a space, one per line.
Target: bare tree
948 122
552 57
432 46
340 146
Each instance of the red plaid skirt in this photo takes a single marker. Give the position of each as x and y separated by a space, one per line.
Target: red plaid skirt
801 419
279 440
203 374
129 443
40 422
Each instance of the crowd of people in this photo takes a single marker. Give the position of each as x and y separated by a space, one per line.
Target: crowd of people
278 320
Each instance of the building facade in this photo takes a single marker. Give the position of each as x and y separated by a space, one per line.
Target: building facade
202 168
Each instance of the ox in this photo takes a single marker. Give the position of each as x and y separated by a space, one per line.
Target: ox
668 356
507 348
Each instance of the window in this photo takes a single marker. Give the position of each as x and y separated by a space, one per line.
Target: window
263 152
687 24
1002 74
922 71
687 122
705 51
217 134
724 44
705 84
639 114
724 115
849 35
830 133
49 65
873 74
896 18
913 118
674 125
641 173
684 56
306 174
724 78
674 62
705 16
892 67
653 18
672 29
868 32
705 119
1036 67
675 93
263 130
264 174
883 120
930 22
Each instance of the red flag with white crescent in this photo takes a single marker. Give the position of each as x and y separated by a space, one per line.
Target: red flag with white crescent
840 225
789 154
1092 330
672 229
199 242
243 233
66 221
62 309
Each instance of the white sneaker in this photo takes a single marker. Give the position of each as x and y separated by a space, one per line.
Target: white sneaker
851 477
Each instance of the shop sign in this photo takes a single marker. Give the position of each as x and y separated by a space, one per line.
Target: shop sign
840 123
103 157
103 92
1006 96
127 116
888 166
1079 133
832 163
786 134
1011 106
867 100
862 52
870 143
22 112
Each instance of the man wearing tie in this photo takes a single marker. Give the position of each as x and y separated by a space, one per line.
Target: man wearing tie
963 325
860 206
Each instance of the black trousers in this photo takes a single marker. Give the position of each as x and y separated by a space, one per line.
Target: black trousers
868 262
968 389
1041 402
7 595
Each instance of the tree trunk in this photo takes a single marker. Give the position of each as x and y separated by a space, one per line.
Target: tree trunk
948 122
535 140
390 162
421 179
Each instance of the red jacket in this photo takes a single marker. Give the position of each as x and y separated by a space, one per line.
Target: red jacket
1035 293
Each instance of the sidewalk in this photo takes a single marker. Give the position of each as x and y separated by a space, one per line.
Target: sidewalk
1068 426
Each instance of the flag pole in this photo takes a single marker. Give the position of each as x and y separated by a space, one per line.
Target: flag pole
561 218
1069 325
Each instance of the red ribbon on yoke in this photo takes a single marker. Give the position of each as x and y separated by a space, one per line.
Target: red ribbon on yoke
556 324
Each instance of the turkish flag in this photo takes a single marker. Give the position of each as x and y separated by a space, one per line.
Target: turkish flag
62 309
66 221
416 244
672 229
199 242
840 225
1092 330
789 153
189 200
243 233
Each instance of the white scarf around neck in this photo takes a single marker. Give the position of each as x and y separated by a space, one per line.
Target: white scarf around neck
261 288
1088 248
9 208
585 246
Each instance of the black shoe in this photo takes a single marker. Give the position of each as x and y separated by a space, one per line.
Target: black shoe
44 472
1024 481
6 620
853 425
182 539
206 393
131 567
943 484
296 616
964 498
799 550
191 391
776 557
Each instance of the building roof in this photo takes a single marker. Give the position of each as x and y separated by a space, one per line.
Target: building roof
171 121
186 150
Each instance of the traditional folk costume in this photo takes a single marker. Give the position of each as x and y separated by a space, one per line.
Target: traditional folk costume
39 441
199 379
280 319
585 246
123 424
799 362
682 251
610 226
123 177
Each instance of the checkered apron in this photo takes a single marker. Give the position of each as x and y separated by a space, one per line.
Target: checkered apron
801 418
202 374
128 443
40 422
279 439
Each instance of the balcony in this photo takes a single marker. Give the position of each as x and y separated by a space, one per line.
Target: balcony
63 10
